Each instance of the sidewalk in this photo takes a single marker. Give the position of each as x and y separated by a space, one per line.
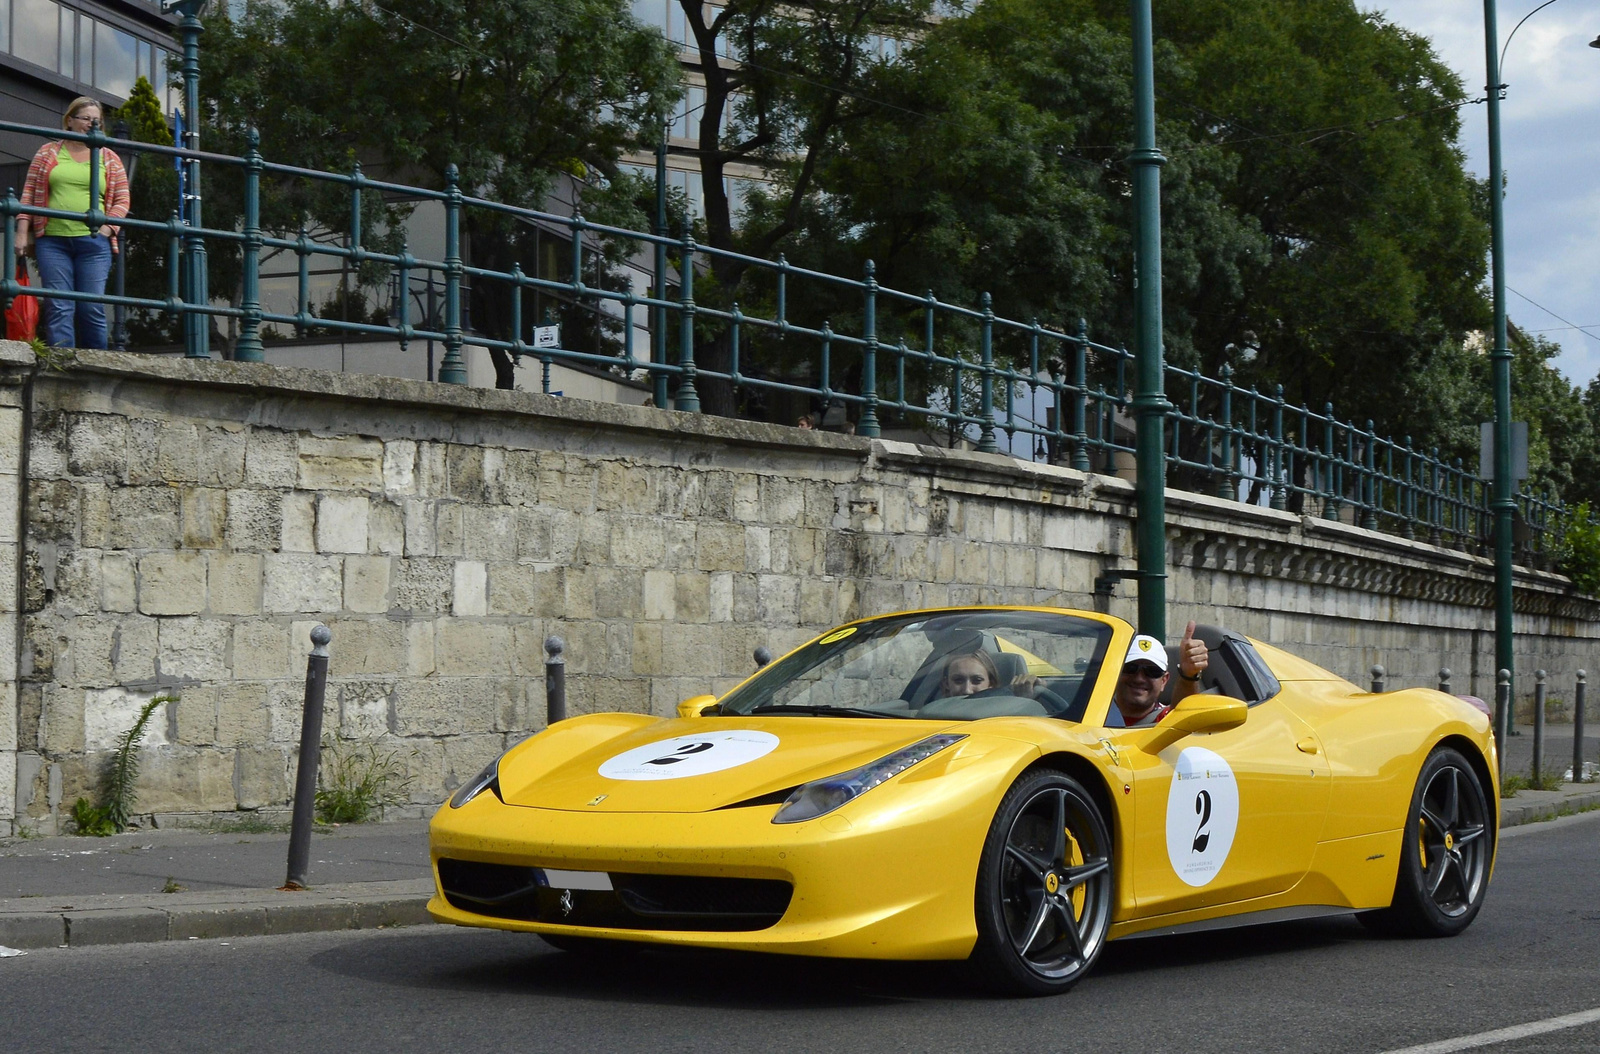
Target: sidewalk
71 891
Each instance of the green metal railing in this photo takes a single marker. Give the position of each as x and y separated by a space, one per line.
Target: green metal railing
891 359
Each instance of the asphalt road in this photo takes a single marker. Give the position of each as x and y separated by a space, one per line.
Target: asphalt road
1325 986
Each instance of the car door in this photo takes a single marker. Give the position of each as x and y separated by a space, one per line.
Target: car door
1227 816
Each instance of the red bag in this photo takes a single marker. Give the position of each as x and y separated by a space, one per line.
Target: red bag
22 317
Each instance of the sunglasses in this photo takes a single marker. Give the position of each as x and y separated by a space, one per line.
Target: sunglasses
1145 669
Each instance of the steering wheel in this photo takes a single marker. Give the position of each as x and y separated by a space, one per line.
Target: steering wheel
1051 701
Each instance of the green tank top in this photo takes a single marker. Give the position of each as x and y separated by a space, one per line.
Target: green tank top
69 189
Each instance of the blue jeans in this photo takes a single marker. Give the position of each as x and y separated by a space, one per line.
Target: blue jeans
81 264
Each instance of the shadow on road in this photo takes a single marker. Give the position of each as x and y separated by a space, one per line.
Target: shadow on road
438 958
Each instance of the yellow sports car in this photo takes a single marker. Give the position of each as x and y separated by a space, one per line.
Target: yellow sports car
959 783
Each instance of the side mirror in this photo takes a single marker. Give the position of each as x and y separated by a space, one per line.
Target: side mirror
1196 713
696 705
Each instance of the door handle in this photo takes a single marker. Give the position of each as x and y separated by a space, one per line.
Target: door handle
1308 745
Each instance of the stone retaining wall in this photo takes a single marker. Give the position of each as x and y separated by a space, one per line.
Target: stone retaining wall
184 525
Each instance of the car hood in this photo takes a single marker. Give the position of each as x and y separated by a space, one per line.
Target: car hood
632 763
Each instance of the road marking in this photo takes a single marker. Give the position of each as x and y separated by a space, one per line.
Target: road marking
1504 1035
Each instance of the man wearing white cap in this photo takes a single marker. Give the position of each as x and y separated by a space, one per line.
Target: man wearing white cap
1144 675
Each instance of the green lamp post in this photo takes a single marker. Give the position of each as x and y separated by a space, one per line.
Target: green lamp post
197 325
1150 404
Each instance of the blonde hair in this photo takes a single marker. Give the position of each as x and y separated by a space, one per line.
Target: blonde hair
82 102
983 660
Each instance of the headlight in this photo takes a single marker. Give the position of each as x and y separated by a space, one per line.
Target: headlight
488 779
820 797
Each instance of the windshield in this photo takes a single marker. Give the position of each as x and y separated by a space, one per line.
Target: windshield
960 665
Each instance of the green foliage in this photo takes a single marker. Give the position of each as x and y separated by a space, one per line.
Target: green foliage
91 819
119 794
142 111
355 781
1578 550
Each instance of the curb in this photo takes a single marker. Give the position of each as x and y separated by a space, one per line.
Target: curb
1533 806
75 922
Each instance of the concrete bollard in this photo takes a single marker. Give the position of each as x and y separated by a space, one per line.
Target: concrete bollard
1377 679
1577 727
305 777
555 680
1444 679
1502 703
1538 726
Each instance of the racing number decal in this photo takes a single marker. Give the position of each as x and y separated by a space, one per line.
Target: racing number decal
671 759
1202 815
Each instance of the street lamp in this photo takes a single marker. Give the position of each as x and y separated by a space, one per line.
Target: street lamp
197 324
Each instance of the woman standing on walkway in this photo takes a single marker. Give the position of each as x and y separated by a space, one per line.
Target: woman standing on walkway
70 255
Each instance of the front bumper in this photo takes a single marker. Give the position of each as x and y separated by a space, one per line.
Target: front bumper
885 877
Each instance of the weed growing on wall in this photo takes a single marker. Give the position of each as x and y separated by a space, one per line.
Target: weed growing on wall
1578 551
354 782
118 794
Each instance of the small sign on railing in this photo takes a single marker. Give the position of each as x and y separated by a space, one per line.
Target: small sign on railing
547 336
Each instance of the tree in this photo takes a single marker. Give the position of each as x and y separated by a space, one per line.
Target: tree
513 93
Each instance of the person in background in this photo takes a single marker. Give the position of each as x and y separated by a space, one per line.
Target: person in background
69 254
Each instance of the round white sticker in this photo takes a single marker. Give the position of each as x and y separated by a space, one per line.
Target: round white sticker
1202 815
673 759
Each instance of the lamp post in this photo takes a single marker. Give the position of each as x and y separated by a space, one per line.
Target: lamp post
1150 404
197 325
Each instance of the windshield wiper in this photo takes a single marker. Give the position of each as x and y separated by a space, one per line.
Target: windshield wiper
820 711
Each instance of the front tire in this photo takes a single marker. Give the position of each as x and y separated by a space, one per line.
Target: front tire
1043 898
1445 853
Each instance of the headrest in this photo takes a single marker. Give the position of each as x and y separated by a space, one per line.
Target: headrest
1009 667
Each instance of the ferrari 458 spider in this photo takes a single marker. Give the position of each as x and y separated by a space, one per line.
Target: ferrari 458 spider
958 784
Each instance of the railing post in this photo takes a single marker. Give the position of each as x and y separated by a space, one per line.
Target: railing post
1080 398
1435 505
1444 679
1408 504
1369 514
1378 673
1502 704
1280 487
867 423
1330 501
1229 486
555 680
249 348
986 443
305 777
687 398
197 324
1577 727
8 253
453 368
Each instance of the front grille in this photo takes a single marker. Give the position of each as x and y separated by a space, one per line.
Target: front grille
637 902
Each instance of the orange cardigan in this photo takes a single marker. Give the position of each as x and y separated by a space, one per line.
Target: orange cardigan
36 191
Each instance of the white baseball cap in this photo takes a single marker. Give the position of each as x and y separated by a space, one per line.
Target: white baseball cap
1146 648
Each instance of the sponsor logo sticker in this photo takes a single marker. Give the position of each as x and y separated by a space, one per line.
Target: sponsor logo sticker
838 634
682 756
1202 815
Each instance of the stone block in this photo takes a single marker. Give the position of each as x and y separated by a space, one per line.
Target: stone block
488 533
464 649
419 649
567 483
108 713
547 534
783 501
660 595
242 714
366 583
10 440
780 599
447 706
271 458
473 473
91 642
341 523
298 523
367 646
758 549
233 583
720 597
386 529
97 445
423 585
115 926
52 512
8 730
194 648
693 599
302 582
261 776
390 912
192 720
255 520
222 451
617 592
210 921
142 518
400 467
78 585
421 527
172 583
818 601
294 916
177 779
339 463
470 589
365 707
33 929
205 517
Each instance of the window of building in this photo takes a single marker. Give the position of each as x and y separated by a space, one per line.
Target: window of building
36 32
116 60
5 25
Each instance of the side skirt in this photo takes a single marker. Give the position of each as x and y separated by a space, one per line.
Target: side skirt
1250 918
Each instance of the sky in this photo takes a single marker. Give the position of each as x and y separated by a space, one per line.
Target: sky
1550 134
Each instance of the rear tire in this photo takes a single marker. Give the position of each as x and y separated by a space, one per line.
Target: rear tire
1043 899
1445 853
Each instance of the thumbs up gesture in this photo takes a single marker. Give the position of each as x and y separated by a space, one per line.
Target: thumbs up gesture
1193 658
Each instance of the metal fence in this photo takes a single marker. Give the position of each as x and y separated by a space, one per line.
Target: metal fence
887 358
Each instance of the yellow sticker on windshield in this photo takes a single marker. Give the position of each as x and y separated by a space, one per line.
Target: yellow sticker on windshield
838 634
